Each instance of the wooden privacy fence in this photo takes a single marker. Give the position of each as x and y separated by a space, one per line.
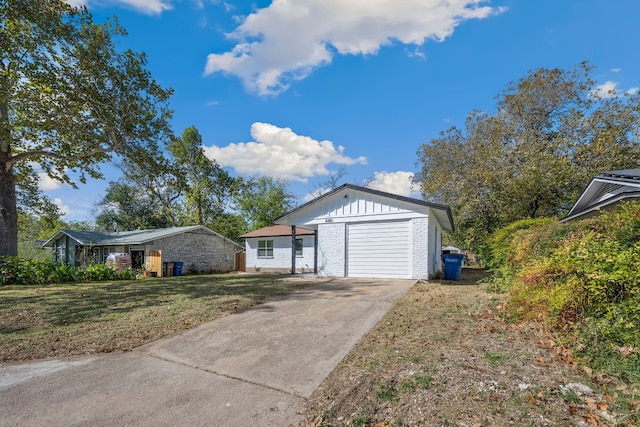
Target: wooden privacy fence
155 262
241 261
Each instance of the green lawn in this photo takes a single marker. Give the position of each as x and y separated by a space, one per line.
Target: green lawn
79 318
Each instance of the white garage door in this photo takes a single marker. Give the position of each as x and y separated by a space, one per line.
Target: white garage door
379 249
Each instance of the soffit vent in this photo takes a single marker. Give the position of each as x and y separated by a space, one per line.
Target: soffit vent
606 190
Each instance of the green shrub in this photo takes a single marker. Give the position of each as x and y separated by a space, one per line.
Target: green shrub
99 272
581 278
20 271
64 273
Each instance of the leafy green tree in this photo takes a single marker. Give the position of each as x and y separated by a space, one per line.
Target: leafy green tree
550 134
69 99
262 200
230 225
126 207
40 224
207 187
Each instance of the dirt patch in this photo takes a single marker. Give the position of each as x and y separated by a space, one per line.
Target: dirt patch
444 356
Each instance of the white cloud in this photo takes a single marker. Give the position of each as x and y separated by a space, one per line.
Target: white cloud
150 7
314 194
45 183
65 209
280 153
228 7
616 70
288 39
608 89
400 182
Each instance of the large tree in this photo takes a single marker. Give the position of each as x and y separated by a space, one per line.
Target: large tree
207 187
147 196
126 207
262 200
69 100
551 132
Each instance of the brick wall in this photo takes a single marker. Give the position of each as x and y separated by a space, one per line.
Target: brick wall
200 251
420 248
331 249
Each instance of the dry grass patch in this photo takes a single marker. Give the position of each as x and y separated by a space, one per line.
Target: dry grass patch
444 356
64 319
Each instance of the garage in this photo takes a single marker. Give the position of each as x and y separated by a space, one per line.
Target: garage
364 232
379 249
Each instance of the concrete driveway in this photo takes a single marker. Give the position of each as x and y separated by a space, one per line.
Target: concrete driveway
252 368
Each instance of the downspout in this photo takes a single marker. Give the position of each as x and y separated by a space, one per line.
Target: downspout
315 251
293 250
66 250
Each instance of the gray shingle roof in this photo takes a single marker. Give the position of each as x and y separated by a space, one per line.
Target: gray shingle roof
605 191
137 237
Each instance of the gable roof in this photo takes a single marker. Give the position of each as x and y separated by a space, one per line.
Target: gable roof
136 237
442 212
604 191
277 231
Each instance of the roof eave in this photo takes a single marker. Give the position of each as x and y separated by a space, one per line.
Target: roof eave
605 204
56 236
418 202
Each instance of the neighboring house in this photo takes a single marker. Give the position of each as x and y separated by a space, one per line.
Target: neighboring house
269 249
605 191
200 249
363 232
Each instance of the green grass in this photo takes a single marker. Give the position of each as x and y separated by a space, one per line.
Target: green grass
77 318
493 358
386 392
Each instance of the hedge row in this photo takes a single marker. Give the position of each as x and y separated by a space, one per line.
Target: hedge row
21 271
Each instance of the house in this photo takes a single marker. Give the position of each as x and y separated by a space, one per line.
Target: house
605 191
363 232
199 249
268 249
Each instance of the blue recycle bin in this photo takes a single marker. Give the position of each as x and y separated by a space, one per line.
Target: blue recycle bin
177 269
452 266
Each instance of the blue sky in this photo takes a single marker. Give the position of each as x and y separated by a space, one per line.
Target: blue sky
296 89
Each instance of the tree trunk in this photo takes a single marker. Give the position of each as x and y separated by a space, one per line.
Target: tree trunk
8 210
8 202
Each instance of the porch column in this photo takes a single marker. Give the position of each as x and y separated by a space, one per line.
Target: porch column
293 250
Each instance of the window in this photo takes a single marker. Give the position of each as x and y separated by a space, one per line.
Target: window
298 247
265 248
106 251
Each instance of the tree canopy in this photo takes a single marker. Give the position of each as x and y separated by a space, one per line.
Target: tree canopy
550 134
208 188
262 200
69 100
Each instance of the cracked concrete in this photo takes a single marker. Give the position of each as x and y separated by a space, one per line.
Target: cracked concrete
256 367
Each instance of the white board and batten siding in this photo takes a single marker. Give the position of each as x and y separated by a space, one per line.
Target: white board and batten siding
358 206
379 249
369 233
